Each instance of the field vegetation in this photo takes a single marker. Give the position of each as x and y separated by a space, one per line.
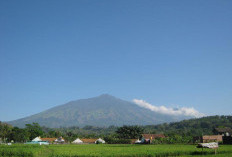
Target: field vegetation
117 150
178 141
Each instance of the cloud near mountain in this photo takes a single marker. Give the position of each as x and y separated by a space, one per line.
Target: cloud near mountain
183 111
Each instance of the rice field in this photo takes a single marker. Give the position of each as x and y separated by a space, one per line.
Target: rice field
114 150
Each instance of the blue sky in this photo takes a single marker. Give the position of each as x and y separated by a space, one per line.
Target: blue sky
172 53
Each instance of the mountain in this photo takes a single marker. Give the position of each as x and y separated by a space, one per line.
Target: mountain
104 110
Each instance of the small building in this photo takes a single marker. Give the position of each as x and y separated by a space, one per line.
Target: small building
77 141
88 140
223 131
37 139
59 140
49 140
211 138
38 142
226 134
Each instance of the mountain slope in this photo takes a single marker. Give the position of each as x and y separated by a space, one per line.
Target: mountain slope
103 110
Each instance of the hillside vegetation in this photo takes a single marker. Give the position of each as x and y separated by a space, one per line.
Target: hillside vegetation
195 127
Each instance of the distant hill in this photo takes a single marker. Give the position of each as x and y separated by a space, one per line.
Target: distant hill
104 110
196 127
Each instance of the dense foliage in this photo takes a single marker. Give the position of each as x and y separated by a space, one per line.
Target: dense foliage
115 140
5 130
192 127
174 139
9 133
129 132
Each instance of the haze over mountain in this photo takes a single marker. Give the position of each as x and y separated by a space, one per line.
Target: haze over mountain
104 110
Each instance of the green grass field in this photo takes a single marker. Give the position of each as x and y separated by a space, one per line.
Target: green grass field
115 150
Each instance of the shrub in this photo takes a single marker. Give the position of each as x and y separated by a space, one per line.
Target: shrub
111 140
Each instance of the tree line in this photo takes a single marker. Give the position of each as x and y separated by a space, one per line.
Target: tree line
177 132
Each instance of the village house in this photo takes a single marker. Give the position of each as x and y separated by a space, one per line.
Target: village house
49 140
212 138
88 140
59 140
226 134
37 139
223 135
223 131
77 141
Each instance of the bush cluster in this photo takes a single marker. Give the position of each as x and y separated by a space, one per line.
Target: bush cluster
111 140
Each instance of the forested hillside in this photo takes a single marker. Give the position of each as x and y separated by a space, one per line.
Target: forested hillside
195 127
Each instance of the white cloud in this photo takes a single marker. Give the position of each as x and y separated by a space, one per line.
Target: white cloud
183 111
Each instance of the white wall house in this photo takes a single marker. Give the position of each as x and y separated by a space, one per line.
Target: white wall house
77 141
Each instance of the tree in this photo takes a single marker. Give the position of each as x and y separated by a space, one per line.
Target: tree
69 136
19 135
34 130
129 132
5 130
